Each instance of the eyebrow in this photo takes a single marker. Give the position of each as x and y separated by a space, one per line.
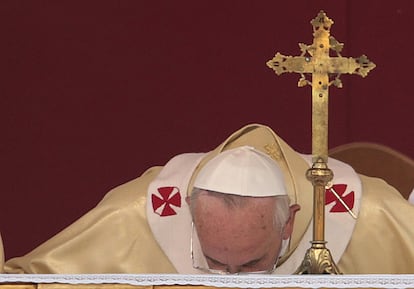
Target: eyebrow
250 263
214 260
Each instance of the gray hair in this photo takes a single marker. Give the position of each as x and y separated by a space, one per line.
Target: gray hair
280 218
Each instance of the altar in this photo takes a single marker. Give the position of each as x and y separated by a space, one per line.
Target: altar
180 281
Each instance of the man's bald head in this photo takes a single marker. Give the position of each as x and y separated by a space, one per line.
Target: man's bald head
239 233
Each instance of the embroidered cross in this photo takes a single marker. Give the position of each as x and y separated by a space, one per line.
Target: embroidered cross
168 197
342 202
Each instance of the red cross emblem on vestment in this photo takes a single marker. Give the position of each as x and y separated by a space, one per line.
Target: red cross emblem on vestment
348 199
164 202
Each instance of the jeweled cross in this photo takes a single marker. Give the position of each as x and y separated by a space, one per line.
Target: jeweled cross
325 70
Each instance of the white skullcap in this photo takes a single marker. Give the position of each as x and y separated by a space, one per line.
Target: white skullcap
242 171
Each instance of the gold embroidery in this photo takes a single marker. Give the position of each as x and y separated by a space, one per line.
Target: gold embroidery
273 150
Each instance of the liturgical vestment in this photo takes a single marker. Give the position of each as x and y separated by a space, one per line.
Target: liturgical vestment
144 226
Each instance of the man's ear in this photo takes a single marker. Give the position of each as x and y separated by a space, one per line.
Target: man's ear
188 200
289 225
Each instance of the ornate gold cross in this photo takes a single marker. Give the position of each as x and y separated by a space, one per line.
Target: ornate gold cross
326 71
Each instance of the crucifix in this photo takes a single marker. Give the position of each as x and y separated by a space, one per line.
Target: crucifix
315 59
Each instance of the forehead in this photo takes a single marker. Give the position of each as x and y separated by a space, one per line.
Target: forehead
240 230
229 211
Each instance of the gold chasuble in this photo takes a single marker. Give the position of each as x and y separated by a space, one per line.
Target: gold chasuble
144 226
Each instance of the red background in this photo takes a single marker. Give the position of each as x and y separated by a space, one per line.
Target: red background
94 92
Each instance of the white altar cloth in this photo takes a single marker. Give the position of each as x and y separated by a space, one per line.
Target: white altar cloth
233 281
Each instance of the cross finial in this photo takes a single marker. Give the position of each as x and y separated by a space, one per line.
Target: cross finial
321 21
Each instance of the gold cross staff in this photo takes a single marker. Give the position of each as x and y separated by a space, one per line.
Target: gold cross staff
326 71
